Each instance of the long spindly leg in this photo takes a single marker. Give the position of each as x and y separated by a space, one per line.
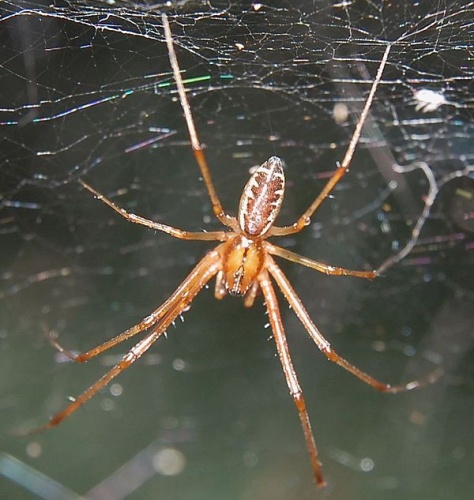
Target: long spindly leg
290 373
313 264
345 163
325 346
209 267
196 279
177 233
195 143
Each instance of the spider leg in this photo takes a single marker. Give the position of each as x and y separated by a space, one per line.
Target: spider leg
190 287
182 292
325 347
136 352
177 233
289 371
313 264
198 151
251 295
342 169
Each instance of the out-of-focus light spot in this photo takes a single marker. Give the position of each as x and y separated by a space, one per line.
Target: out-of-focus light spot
34 449
367 464
107 404
116 389
179 364
417 418
406 331
169 462
152 359
409 350
385 227
379 346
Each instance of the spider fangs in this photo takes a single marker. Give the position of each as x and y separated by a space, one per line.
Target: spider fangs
243 264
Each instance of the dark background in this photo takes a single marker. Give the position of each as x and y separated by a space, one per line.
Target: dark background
85 93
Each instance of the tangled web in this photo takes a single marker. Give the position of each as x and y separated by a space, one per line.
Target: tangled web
87 92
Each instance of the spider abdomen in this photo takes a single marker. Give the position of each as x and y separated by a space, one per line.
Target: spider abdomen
243 260
262 198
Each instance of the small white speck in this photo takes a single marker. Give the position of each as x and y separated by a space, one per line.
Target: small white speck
340 113
412 385
148 320
129 357
428 100
246 242
342 5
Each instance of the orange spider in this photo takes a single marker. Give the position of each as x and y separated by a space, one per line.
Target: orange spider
243 264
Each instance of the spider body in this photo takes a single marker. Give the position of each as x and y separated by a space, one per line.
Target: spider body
242 264
243 255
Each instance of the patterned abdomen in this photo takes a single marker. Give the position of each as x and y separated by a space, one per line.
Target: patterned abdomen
262 198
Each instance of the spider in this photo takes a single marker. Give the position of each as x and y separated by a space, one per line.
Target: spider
243 265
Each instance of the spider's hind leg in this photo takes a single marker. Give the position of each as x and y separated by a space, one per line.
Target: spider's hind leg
290 373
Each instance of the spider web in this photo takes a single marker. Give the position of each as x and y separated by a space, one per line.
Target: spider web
87 92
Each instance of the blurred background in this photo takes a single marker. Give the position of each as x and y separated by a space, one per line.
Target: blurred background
87 92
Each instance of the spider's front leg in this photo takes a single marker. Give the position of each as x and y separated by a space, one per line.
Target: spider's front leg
175 232
343 167
198 150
